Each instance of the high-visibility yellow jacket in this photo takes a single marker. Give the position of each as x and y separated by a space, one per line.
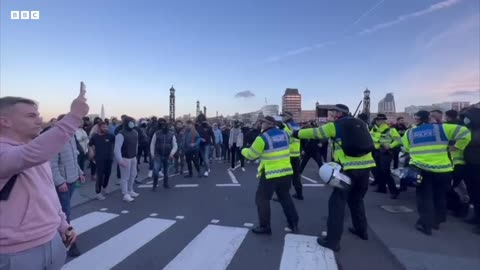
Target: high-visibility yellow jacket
329 131
385 135
272 147
427 145
290 127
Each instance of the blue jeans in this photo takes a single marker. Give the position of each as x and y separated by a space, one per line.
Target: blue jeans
205 153
159 163
65 198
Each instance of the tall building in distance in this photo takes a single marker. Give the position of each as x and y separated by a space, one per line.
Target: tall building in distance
102 113
198 108
172 104
292 102
459 105
387 104
205 111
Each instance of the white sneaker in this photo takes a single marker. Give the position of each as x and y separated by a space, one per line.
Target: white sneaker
243 169
127 198
100 197
160 174
150 173
133 194
205 174
257 161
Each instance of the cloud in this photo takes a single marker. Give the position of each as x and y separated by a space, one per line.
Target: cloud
244 94
466 93
323 44
406 17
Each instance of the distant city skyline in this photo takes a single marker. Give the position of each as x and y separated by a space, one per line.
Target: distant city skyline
231 55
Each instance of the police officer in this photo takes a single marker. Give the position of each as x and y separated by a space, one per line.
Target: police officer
290 126
357 168
385 139
275 173
428 147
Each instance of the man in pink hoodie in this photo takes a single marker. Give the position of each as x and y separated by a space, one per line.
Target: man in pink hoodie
33 227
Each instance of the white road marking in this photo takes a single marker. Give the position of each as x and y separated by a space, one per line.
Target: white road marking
179 217
161 179
153 214
313 185
124 212
228 185
303 252
103 209
309 179
145 186
215 221
118 248
232 177
236 167
186 185
212 249
248 225
91 220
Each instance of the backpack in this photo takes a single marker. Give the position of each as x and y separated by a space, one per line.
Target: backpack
355 137
472 151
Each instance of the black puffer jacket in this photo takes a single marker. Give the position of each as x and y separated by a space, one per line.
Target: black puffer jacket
472 151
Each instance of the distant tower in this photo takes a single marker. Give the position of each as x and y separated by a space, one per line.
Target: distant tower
205 111
366 102
198 107
102 113
172 104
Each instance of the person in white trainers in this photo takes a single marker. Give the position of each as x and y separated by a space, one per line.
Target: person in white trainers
126 146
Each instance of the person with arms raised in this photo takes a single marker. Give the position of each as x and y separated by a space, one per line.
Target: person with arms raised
32 223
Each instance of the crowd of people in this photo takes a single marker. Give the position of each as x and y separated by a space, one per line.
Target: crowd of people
40 168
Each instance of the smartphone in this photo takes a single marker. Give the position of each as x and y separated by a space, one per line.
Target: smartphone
82 87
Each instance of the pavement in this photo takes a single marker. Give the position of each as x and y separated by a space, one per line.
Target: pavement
203 223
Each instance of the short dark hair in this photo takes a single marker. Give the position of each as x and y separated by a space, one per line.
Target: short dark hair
189 122
436 111
8 102
452 114
179 121
400 118
102 123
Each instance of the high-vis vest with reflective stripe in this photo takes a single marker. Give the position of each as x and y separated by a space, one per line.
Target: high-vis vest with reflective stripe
427 145
381 136
329 131
272 147
290 127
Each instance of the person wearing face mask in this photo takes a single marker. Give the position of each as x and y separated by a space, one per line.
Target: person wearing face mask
471 119
163 148
428 146
352 149
126 146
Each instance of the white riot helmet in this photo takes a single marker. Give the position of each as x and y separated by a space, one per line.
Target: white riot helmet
331 175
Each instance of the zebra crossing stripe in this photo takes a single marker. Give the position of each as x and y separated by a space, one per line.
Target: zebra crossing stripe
303 252
91 220
212 249
118 248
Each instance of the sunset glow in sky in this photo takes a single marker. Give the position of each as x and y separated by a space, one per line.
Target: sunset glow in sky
130 52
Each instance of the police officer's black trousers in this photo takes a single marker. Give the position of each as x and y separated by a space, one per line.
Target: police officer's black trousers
354 197
265 190
431 198
317 156
383 173
297 178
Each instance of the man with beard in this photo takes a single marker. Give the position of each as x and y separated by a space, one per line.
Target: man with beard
126 146
101 152
163 148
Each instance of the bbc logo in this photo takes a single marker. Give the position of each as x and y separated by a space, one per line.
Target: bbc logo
25 15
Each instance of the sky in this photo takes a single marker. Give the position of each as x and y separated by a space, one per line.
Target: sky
129 53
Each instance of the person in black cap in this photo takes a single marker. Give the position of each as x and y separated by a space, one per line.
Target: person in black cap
290 126
350 135
385 139
275 172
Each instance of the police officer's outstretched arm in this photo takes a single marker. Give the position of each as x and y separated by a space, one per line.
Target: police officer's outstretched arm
396 138
458 133
255 150
323 132
405 141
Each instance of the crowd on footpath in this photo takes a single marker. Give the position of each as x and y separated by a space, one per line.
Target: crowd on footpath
43 165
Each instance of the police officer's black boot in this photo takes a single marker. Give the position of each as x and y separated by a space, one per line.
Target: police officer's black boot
262 230
361 235
298 196
166 185
324 243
